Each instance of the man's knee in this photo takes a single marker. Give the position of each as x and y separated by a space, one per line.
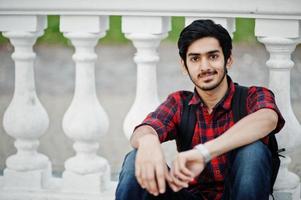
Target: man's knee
251 169
128 166
128 187
253 156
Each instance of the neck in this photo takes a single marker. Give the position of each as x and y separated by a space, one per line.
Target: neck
212 97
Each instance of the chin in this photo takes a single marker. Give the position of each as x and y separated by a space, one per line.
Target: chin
208 87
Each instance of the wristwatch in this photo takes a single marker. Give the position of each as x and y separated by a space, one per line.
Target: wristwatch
204 151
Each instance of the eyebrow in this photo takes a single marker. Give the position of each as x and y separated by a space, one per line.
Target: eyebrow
209 52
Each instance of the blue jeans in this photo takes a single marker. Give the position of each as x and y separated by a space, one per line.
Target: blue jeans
249 177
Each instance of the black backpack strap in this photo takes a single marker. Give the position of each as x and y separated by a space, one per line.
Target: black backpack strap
187 124
240 111
239 102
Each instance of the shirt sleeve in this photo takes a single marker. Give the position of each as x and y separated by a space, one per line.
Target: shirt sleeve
165 118
259 98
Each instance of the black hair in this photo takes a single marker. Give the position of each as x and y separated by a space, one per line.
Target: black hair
204 28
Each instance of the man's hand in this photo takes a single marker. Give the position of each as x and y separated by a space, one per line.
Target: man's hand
150 167
186 166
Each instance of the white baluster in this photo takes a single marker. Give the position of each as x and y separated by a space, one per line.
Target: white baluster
146 34
25 118
85 121
280 43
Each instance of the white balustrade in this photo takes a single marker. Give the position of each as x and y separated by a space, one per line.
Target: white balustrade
87 175
146 34
280 43
85 121
25 118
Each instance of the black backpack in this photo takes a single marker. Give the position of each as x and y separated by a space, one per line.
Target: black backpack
188 122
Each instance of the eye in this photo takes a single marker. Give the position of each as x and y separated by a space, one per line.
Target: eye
194 58
213 57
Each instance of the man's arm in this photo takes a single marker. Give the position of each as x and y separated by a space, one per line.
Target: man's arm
249 129
150 165
139 133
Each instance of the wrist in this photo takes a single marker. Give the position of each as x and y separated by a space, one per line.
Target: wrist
202 149
141 133
148 139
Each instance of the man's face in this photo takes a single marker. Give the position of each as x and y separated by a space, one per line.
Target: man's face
205 63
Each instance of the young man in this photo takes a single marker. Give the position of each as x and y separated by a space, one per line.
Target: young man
228 160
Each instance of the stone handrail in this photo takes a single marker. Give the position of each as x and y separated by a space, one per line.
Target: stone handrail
271 9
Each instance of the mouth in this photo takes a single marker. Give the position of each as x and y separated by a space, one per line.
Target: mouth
207 76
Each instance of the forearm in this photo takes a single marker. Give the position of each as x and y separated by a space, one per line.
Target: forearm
142 133
249 129
150 166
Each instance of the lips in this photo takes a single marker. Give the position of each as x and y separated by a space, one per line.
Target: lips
207 75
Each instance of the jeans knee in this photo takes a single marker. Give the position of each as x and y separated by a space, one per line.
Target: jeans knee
250 171
128 187
128 166
251 168
254 156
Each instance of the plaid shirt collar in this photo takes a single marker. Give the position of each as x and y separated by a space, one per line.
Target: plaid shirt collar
225 102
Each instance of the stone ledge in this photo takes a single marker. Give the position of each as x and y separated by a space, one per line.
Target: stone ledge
54 194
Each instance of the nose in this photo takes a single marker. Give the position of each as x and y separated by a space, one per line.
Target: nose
204 64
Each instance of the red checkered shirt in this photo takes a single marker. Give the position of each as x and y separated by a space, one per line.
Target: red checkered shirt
166 118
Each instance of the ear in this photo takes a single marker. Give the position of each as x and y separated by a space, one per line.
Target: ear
229 62
183 67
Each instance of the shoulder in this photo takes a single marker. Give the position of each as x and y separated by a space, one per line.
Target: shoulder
180 96
260 97
260 92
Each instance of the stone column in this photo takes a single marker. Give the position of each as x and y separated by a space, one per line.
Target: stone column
25 119
85 121
280 39
146 34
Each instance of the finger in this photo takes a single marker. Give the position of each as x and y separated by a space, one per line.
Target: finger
160 178
138 175
177 171
171 182
174 187
144 177
151 182
167 175
180 183
176 180
179 175
183 169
